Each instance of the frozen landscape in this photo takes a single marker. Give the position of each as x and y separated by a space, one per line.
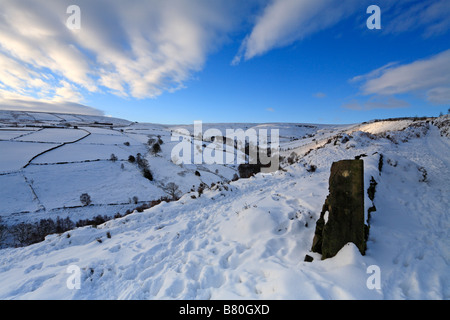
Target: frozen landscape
216 236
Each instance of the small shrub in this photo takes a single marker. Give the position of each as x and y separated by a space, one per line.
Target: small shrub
200 189
424 172
113 158
292 158
372 189
85 199
380 163
143 207
156 148
141 162
131 159
151 141
147 174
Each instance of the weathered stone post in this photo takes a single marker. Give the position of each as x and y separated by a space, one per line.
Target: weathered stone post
342 217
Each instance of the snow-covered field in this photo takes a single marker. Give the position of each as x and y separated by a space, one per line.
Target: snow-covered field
245 239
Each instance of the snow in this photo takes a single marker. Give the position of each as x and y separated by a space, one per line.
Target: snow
108 139
44 116
54 135
246 239
384 126
82 152
11 134
16 195
15 155
61 185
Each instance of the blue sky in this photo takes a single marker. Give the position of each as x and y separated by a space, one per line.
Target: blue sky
177 61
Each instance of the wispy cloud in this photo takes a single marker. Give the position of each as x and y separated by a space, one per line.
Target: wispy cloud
283 22
137 48
428 78
286 21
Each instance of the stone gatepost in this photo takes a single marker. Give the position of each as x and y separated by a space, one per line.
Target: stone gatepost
342 217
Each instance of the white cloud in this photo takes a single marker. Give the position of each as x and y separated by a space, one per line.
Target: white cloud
19 103
67 92
286 21
136 48
429 78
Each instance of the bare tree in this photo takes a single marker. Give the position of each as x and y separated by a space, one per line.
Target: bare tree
3 230
23 233
173 190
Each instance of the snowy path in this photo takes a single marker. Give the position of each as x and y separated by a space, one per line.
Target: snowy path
411 228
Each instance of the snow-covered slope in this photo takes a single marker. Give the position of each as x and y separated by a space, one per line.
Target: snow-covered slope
49 160
247 239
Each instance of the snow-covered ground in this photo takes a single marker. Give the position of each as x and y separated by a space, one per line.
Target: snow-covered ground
246 239
48 160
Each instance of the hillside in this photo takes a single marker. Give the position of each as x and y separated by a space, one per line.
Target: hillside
243 239
50 160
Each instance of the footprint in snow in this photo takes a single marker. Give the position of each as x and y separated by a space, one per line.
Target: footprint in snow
37 266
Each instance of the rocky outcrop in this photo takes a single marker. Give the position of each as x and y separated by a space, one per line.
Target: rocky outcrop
342 217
